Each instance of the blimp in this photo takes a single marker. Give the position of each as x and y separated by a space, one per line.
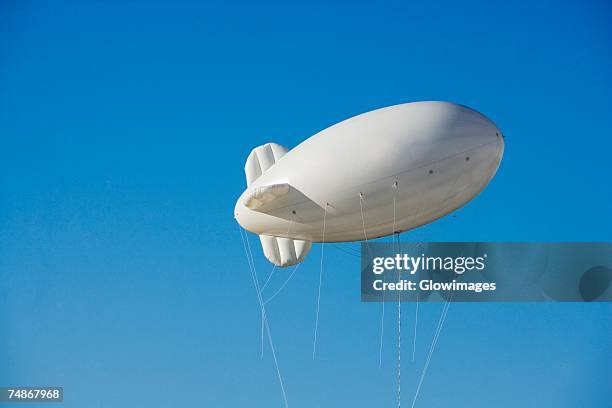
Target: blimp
379 173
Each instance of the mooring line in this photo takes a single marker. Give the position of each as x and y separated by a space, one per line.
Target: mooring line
382 333
433 346
262 319
268 279
314 342
264 287
283 285
253 271
399 300
251 263
274 266
416 323
382 316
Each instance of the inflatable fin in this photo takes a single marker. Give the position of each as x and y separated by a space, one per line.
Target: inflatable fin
283 251
261 159
275 199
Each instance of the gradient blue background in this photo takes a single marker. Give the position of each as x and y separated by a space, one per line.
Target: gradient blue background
125 127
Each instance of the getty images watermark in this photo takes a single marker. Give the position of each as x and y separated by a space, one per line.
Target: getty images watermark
480 271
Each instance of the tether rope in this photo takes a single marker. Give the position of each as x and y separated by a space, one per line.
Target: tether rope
314 342
253 271
442 316
283 285
399 304
274 267
264 287
433 346
382 317
268 279
416 324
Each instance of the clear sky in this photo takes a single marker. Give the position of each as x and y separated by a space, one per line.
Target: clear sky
125 126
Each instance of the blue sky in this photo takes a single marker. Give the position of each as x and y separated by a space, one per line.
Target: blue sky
125 127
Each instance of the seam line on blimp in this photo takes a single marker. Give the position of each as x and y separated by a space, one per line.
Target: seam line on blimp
430 163
385 224
401 173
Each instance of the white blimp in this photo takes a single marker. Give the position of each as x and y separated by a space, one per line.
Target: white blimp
379 173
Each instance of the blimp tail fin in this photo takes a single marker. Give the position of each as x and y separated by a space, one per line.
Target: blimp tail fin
261 159
284 251
275 199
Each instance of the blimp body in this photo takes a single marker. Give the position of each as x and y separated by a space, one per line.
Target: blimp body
382 172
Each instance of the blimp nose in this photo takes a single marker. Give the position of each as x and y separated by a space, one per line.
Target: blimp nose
493 150
500 144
